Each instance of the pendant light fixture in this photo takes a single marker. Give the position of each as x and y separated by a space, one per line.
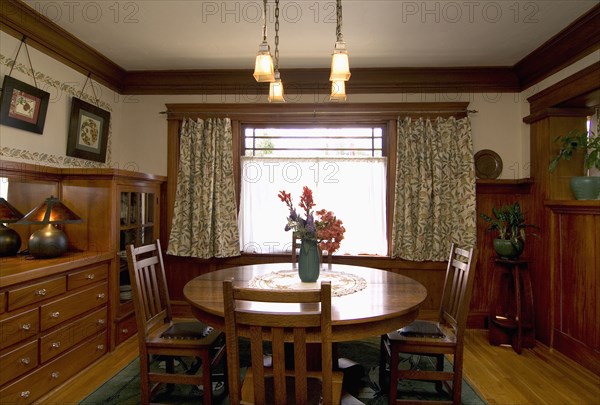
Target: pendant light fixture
276 86
263 67
340 67
338 90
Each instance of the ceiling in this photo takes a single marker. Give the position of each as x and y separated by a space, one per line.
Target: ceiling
189 34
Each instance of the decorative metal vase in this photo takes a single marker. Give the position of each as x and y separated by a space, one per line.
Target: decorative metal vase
507 250
308 261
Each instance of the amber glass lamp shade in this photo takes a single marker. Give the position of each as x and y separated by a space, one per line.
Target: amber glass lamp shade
340 66
263 66
49 241
10 241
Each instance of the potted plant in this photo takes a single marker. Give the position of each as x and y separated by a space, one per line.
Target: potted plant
509 222
583 187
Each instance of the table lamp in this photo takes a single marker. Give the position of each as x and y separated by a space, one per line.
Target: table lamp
49 241
10 241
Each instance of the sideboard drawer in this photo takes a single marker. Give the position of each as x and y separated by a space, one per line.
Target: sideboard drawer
28 389
2 302
18 361
18 327
32 293
72 305
68 336
125 329
87 276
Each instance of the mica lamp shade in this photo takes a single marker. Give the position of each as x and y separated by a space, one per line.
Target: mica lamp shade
10 241
49 241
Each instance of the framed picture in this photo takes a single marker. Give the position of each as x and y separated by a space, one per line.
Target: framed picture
88 131
23 106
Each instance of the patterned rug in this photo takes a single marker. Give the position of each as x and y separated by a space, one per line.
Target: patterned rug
361 380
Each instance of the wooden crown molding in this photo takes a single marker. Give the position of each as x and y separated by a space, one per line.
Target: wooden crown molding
18 20
579 39
583 82
316 81
574 42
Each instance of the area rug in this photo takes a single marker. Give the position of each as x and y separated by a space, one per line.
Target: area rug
362 381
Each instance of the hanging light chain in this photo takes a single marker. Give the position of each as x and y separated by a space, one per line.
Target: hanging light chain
265 20
338 28
276 34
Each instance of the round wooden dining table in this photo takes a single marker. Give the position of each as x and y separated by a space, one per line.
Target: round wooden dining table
365 301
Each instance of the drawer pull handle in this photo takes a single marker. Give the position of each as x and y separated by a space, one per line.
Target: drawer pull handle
101 296
41 292
55 314
100 347
101 321
26 326
55 345
125 330
25 360
55 375
25 394
90 276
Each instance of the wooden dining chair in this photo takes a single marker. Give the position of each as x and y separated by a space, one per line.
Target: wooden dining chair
160 337
296 241
278 384
442 337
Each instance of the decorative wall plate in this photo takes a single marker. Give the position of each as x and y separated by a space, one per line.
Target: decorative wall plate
488 164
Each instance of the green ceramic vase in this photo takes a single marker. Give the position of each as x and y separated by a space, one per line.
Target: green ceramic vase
308 261
585 187
507 250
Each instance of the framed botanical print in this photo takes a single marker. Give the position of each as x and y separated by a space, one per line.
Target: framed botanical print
88 131
23 106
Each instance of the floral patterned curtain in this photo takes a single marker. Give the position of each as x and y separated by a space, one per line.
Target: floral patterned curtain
205 215
435 188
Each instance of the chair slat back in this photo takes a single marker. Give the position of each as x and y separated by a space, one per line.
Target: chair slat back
315 314
148 285
458 283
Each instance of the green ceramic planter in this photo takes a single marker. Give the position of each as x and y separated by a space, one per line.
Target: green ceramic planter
506 250
585 187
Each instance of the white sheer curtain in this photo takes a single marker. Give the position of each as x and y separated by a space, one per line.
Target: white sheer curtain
353 188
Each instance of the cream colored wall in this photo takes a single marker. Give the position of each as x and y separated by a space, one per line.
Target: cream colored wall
139 132
495 126
62 83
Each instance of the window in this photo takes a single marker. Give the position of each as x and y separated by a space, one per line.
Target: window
344 166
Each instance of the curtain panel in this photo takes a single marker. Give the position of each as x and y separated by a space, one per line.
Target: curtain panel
435 188
205 215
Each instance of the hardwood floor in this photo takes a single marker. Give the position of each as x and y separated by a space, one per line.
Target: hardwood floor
498 374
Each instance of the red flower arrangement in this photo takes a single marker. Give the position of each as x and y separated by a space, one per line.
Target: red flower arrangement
326 229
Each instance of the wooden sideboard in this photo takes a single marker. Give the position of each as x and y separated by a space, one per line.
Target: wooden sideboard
54 321
59 315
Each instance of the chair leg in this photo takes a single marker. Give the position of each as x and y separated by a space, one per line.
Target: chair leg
207 378
170 369
144 381
383 359
439 366
457 381
393 384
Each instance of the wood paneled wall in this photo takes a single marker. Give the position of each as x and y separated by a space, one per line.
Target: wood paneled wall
575 280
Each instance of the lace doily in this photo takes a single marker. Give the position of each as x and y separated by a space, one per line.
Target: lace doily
341 283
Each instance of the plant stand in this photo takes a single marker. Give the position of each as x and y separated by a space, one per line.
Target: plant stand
511 305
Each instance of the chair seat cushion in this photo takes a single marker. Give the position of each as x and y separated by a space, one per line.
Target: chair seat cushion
421 328
187 330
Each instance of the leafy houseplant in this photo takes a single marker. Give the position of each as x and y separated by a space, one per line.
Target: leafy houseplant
509 222
583 187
